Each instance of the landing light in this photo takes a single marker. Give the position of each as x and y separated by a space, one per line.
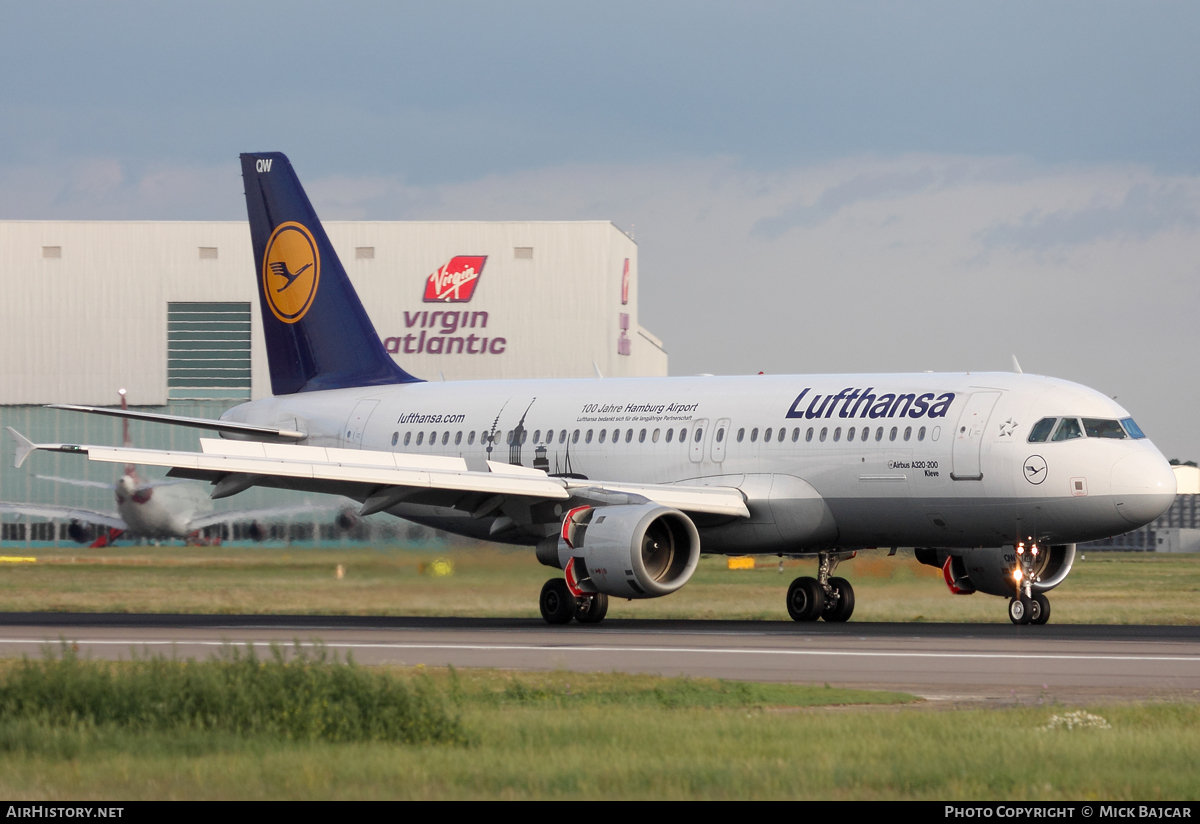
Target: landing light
1017 576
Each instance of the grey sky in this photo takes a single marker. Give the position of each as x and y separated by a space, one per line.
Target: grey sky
813 187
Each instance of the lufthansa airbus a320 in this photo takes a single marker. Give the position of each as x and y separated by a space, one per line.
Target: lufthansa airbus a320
621 484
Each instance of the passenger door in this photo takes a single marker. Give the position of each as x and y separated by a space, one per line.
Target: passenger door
357 422
968 436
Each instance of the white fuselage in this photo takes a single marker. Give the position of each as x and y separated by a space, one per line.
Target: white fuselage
945 459
160 512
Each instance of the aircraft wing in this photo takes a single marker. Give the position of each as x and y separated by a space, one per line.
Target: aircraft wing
383 479
72 513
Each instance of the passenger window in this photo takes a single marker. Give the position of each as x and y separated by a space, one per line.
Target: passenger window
808 435
524 435
892 435
603 435
850 434
395 438
654 437
907 432
754 434
795 434
641 436
670 433
720 434
1132 428
1100 428
562 436
866 433
629 436
575 436
767 434
1041 430
699 434
458 437
879 434
407 438
837 434
446 437
741 434
1068 429
921 434
420 438
588 439
682 435
432 438
470 438
824 432
537 435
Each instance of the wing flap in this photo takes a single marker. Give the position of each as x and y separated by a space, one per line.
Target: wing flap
711 500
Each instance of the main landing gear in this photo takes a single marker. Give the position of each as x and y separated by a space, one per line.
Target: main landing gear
1027 606
822 597
559 606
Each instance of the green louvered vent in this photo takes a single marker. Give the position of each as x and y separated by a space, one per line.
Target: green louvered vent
208 351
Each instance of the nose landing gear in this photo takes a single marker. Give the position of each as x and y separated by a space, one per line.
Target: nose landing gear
1027 606
822 597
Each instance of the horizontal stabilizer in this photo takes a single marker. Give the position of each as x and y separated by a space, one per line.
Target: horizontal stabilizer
231 427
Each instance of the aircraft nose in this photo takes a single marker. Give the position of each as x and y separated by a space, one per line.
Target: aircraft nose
1143 487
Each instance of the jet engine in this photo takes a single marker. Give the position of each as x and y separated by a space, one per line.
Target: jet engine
630 551
990 569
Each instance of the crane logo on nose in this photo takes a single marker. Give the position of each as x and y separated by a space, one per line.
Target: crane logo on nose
1035 469
291 271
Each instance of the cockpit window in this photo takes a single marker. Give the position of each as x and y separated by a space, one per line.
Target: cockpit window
1067 430
1100 428
1132 428
1041 430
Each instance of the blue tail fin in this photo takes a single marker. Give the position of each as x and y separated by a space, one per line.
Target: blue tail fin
318 335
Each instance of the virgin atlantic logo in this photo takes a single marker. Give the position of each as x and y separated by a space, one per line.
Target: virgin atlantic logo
455 282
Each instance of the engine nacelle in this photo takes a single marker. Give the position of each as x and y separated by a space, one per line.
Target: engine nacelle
633 551
990 569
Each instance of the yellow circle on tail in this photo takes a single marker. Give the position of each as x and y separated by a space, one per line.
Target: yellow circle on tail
291 271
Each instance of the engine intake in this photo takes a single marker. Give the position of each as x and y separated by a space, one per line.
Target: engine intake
990 569
633 551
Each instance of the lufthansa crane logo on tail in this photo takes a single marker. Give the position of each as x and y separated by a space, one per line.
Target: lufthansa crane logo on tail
291 271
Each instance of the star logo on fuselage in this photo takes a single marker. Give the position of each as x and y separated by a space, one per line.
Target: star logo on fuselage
1007 428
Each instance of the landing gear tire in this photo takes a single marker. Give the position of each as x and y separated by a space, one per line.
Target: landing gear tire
591 609
1020 610
842 607
805 599
557 602
1041 609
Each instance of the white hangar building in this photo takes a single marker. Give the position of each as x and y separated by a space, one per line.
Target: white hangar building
170 312
91 306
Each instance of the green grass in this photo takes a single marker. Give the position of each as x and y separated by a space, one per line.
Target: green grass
304 696
575 735
502 582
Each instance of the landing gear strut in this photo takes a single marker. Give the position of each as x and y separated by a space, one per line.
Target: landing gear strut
1027 606
822 597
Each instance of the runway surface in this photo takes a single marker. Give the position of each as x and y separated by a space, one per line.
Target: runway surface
958 661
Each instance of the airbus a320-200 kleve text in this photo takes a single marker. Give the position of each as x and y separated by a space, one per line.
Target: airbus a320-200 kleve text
622 483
